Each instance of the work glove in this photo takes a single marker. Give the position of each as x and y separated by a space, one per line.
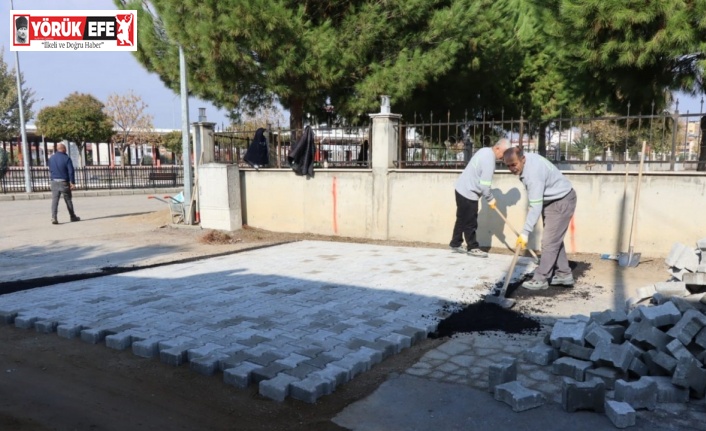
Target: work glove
493 204
521 241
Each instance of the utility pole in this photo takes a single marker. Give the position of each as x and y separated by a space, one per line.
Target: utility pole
23 130
185 135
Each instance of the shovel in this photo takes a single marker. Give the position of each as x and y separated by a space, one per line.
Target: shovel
632 259
534 255
497 296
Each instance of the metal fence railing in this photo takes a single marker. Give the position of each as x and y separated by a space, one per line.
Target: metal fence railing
98 178
674 141
335 147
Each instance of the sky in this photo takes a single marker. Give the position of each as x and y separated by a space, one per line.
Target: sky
55 75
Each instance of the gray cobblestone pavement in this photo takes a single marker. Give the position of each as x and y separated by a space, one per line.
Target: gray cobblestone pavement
297 319
447 372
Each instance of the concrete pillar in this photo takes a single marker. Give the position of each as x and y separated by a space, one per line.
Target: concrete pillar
383 152
204 144
219 197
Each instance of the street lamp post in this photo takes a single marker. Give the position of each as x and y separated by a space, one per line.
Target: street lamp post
23 130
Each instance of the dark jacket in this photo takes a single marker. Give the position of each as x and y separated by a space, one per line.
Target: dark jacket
301 155
257 155
61 167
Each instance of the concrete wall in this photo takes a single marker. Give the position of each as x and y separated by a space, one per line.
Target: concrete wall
421 207
331 203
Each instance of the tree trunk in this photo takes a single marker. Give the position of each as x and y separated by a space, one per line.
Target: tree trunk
702 150
296 114
542 139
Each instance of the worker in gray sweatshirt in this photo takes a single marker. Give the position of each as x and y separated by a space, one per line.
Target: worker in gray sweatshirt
474 182
552 196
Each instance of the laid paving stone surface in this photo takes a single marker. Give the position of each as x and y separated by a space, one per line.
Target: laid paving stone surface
490 347
317 312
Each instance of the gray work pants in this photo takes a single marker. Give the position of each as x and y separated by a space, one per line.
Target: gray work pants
59 188
556 216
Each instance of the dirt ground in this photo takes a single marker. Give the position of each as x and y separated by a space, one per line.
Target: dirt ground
50 383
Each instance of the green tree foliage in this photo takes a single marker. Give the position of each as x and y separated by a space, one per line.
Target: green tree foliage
172 141
244 55
9 106
636 51
79 118
476 58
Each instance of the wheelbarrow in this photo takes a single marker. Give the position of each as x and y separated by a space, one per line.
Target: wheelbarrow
176 206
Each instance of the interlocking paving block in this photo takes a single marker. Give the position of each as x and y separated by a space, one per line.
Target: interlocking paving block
679 351
571 367
93 335
700 338
45 326
119 341
208 364
541 354
311 388
617 331
661 315
684 304
668 392
674 254
176 355
240 376
660 363
609 317
701 244
147 348
567 329
267 372
518 397
597 334
575 351
646 335
688 259
697 278
7 317
25 321
618 355
691 322
69 330
640 394
690 374
671 288
607 374
621 414
588 395
503 371
638 368
645 292
277 388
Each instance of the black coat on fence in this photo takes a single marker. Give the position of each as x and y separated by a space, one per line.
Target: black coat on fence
257 155
301 155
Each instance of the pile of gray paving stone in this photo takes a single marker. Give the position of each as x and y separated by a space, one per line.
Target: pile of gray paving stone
617 362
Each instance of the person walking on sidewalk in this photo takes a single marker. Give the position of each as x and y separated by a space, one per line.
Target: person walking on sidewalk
474 182
61 171
552 196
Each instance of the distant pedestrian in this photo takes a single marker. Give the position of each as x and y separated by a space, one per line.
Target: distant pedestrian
552 196
474 182
61 171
